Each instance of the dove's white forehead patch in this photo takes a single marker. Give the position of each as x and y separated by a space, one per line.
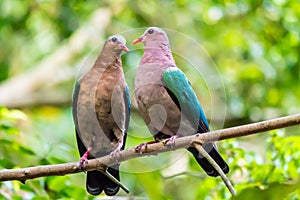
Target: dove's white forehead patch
119 37
157 29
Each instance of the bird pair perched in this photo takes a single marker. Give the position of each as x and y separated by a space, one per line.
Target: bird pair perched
165 98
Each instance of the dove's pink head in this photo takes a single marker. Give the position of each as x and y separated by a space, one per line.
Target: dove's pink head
153 37
157 48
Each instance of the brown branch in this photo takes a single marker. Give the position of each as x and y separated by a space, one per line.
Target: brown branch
183 142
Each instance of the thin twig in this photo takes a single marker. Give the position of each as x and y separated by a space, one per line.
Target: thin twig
186 173
113 179
216 166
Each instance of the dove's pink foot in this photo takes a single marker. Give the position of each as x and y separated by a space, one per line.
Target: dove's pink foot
84 159
139 147
171 141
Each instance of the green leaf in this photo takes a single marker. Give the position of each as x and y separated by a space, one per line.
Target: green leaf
274 191
26 150
58 183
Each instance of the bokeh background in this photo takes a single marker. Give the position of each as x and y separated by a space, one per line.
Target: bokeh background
254 45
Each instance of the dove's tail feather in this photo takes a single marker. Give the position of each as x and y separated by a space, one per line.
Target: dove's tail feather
96 182
203 162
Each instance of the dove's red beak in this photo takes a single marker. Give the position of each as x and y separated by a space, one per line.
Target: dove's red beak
124 48
137 41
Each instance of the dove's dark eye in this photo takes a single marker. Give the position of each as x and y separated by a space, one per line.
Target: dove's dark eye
114 39
150 31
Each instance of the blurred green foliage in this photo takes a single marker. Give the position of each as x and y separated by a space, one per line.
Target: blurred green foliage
255 46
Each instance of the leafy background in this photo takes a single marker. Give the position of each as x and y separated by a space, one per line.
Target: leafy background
254 44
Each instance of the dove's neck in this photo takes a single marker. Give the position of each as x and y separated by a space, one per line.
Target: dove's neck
159 54
107 58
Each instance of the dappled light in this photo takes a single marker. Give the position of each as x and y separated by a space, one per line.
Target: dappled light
242 60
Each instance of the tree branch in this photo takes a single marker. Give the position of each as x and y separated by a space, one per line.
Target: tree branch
183 142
